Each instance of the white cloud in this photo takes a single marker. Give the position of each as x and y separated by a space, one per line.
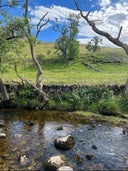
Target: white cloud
104 3
54 12
110 18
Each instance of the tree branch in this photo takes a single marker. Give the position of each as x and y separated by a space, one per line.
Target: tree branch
23 79
5 5
119 32
13 37
39 25
13 3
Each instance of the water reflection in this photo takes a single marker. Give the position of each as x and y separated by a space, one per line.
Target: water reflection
28 132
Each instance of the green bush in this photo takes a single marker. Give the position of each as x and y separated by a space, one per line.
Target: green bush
124 104
27 92
108 107
41 58
81 99
21 102
66 101
90 96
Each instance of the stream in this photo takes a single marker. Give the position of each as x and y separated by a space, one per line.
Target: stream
32 133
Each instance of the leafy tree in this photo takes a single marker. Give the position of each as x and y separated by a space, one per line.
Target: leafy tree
4 44
61 43
20 28
93 45
67 43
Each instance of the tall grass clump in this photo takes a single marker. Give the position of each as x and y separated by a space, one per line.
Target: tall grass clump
123 104
108 107
65 101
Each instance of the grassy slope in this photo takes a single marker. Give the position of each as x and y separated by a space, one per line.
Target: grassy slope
57 72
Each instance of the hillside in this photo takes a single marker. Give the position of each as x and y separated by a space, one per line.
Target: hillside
110 64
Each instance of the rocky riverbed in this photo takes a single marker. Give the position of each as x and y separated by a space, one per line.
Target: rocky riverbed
27 140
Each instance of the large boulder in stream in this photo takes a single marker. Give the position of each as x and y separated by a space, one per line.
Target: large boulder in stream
64 143
54 162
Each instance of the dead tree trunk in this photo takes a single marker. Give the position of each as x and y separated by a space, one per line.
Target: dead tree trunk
4 93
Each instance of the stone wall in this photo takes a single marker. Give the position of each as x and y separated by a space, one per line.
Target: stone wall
53 89
58 89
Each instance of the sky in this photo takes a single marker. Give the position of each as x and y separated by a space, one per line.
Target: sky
109 15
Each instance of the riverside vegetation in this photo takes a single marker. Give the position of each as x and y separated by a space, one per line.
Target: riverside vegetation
105 68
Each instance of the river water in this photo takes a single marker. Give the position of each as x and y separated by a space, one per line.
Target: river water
32 133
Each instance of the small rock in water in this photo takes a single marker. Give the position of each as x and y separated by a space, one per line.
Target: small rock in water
64 143
97 167
24 160
125 130
94 147
81 140
90 156
65 168
78 158
18 135
2 135
1 124
2 159
80 131
60 128
30 123
54 162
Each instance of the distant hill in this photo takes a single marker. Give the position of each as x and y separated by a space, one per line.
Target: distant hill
109 66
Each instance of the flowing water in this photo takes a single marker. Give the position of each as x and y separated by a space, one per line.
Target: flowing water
32 133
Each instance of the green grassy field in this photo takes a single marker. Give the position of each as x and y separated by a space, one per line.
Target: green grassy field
73 72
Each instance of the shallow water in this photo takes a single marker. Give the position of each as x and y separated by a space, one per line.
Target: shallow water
33 132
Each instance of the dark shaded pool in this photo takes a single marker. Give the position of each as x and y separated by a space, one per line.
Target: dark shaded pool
32 133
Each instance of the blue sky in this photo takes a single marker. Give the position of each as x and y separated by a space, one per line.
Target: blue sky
112 14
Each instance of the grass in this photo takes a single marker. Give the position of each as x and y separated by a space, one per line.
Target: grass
58 72
111 120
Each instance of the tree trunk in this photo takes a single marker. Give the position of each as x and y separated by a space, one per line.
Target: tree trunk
39 84
4 93
126 89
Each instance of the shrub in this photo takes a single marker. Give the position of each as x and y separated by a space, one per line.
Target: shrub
41 58
81 99
124 104
108 107
27 92
48 52
21 102
66 101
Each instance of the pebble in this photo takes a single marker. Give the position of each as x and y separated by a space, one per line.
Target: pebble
1 124
90 156
94 147
2 135
65 168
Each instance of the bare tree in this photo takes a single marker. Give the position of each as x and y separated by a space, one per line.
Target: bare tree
114 40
